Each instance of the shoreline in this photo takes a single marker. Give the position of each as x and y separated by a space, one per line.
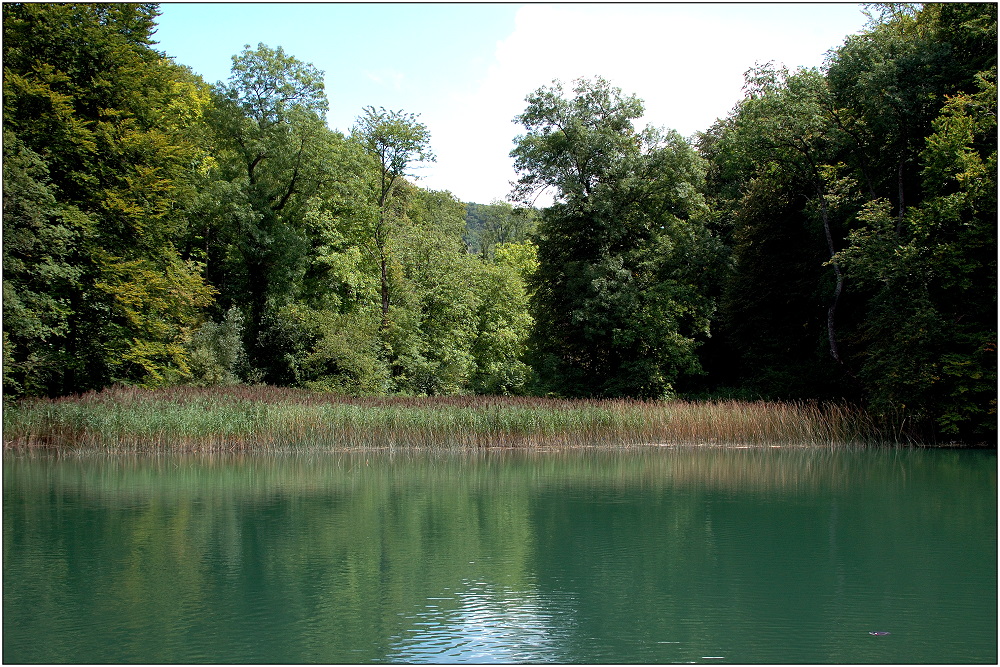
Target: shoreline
265 419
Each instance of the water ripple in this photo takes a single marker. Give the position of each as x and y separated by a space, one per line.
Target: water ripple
492 624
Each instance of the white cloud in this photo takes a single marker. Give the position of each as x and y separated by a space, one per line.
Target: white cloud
389 78
686 62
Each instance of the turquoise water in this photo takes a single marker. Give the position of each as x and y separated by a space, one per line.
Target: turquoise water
576 556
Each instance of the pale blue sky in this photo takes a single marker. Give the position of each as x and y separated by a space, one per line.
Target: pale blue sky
467 67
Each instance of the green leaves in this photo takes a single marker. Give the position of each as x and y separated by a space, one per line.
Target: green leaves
575 145
154 305
278 157
85 95
930 326
504 322
38 269
396 139
267 85
497 223
619 295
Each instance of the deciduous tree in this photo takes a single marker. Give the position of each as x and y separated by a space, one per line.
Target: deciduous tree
623 252
91 108
275 155
396 141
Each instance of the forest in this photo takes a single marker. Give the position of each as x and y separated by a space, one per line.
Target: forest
833 238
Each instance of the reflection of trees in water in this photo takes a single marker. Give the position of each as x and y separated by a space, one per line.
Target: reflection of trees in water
341 558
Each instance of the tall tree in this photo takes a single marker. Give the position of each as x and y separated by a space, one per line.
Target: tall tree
782 128
885 86
39 275
92 106
929 268
785 200
275 155
433 313
503 320
623 253
396 141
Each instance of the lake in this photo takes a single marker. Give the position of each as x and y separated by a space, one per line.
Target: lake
645 555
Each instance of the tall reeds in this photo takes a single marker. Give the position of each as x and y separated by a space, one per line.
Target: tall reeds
269 418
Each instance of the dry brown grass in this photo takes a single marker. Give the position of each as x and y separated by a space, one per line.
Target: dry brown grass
270 418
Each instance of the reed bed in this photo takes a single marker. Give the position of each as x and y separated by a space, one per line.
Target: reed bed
275 419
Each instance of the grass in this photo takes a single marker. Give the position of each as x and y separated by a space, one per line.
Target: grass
275 419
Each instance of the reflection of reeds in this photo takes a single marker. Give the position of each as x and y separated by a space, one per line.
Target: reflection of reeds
172 476
268 418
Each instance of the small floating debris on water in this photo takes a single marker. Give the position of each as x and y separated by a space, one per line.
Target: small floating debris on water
879 633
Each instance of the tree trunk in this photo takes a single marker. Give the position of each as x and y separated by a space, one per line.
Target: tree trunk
383 262
831 312
902 205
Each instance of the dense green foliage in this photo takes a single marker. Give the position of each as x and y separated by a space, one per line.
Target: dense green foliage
862 209
160 230
834 237
620 295
95 132
489 225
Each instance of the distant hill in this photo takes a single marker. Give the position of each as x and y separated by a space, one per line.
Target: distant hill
475 221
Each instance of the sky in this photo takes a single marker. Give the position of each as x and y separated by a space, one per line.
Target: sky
467 67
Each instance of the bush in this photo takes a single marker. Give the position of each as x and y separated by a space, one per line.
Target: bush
215 351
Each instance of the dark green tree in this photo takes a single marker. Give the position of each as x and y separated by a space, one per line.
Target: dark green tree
93 112
929 356
624 255
787 201
275 155
39 275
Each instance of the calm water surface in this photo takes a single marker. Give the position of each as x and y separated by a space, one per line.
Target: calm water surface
574 556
